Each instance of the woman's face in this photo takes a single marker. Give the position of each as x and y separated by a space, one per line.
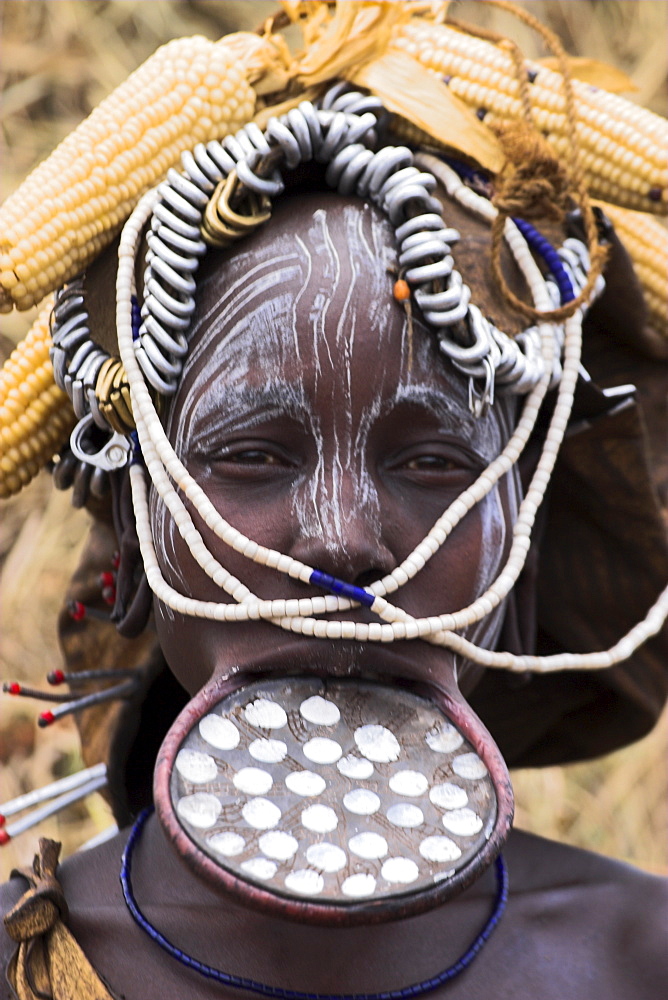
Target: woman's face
321 422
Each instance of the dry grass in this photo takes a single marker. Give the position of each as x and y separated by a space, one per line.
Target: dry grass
58 58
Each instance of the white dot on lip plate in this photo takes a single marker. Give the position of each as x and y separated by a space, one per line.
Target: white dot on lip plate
260 868
469 765
405 814
320 711
268 751
253 781
462 822
305 882
200 810
322 750
448 796
305 783
261 813
220 733
358 768
439 849
360 884
326 857
278 844
409 783
227 843
195 766
266 714
400 870
368 845
441 876
377 743
444 738
319 819
361 801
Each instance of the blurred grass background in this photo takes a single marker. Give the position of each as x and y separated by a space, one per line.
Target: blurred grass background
58 59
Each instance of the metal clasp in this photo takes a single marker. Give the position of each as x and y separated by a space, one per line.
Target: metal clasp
114 454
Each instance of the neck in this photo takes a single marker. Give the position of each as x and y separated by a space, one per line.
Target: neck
209 925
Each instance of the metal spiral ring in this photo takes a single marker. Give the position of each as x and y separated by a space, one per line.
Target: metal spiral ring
173 343
347 168
84 380
386 162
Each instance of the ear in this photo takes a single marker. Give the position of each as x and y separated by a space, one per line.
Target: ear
134 601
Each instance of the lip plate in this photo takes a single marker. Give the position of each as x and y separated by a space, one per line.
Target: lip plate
333 913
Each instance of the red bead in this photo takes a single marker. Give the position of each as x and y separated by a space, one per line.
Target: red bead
116 561
14 688
4 838
77 611
109 595
2 820
107 579
45 718
56 677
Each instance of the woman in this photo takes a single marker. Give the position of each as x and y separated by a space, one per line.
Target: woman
331 425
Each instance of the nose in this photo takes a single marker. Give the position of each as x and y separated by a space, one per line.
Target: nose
364 559
349 545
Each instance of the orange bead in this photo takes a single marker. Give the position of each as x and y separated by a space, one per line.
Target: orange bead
401 290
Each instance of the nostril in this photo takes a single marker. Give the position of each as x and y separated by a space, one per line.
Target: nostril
359 565
368 577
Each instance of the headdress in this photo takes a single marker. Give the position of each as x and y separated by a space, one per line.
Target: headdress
243 114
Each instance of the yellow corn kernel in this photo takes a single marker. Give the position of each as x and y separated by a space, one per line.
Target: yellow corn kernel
36 417
191 90
646 240
624 147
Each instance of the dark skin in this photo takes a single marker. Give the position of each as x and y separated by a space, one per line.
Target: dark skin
577 925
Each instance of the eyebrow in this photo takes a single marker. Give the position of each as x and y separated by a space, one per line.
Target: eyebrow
447 407
244 407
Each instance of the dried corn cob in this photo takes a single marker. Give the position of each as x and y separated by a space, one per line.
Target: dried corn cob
646 240
191 90
36 416
624 148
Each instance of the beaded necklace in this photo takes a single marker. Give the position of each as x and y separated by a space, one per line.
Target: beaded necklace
252 986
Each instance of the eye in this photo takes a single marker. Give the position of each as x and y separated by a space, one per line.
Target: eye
254 459
251 456
431 463
434 458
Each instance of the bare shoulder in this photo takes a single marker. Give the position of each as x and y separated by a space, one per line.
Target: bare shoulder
607 918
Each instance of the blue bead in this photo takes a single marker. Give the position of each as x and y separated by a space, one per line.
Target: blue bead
135 313
336 586
137 457
551 257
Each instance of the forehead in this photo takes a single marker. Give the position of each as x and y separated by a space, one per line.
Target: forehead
301 315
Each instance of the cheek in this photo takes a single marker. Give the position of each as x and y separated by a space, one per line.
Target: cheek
463 568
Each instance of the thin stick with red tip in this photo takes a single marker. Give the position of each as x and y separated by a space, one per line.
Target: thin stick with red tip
62 785
12 830
83 676
118 691
20 690
79 611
